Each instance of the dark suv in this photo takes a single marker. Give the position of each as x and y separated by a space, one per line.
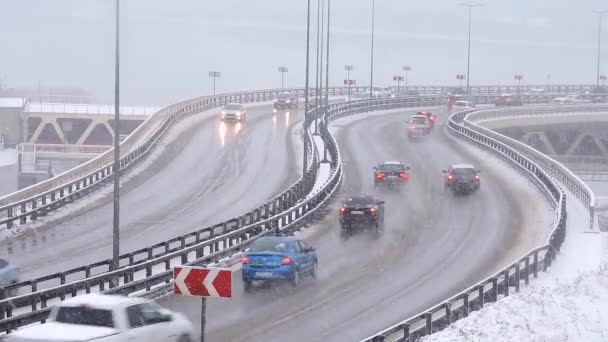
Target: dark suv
361 213
462 178
285 101
390 174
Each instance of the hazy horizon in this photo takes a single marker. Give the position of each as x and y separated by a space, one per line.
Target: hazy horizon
167 49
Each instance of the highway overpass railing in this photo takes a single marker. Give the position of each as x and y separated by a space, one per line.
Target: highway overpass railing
549 175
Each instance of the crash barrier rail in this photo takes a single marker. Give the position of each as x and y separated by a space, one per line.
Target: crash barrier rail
62 148
270 208
488 290
59 292
154 273
42 198
554 168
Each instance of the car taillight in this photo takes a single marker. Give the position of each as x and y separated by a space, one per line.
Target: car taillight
245 259
286 261
373 211
432 118
477 178
404 175
450 177
380 175
412 128
342 210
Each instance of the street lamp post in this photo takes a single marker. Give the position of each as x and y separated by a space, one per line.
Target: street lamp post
406 68
518 78
305 161
318 67
599 44
327 57
548 83
348 69
116 171
603 78
214 75
283 70
470 6
322 20
371 78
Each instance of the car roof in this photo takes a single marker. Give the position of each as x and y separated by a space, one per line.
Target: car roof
367 198
418 116
391 162
462 166
102 301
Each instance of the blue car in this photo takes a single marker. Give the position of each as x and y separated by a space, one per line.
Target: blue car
278 258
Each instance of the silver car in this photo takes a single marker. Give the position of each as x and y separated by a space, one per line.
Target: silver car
9 274
233 112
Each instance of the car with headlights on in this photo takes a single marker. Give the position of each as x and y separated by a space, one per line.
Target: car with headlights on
285 101
233 112
278 258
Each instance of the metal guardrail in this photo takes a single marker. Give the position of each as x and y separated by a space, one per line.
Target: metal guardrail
546 173
147 271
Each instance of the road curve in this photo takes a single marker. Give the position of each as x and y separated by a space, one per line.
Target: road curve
205 174
434 244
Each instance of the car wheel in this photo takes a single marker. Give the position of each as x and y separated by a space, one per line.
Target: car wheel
248 285
315 270
184 338
295 278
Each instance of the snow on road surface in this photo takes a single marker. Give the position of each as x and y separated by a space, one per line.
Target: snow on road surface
8 157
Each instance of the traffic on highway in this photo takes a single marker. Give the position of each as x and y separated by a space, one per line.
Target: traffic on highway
305 212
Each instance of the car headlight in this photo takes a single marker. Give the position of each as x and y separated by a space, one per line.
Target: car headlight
223 113
288 101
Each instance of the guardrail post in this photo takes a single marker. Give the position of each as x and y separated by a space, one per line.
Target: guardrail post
378 338
495 288
448 312
527 270
465 304
9 214
506 275
547 259
406 332
535 264
23 214
429 323
517 276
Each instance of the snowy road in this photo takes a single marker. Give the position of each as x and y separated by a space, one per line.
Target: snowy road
206 173
434 244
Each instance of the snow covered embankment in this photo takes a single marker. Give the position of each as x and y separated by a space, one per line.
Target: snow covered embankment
571 310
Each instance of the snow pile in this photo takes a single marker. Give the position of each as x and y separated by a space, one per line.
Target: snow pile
572 310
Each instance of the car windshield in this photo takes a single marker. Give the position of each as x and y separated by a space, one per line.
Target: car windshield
418 120
232 106
269 245
392 167
83 315
284 97
464 171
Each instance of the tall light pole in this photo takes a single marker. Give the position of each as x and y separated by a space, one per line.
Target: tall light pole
283 70
305 161
470 6
322 20
348 69
371 77
318 67
214 75
599 45
327 57
406 68
116 211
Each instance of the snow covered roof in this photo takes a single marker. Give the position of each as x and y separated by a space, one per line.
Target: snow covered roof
463 166
97 300
12 102
78 108
392 162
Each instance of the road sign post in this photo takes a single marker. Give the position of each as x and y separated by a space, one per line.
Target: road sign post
202 282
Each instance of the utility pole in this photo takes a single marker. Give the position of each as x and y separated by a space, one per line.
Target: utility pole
214 75
468 76
116 171
407 69
371 78
305 126
348 69
599 45
283 70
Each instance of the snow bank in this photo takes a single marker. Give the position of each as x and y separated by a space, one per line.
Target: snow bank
8 157
572 310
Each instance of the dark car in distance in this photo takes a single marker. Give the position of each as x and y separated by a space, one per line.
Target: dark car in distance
507 100
390 174
462 179
361 213
285 101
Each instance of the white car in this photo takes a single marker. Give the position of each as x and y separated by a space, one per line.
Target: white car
463 105
107 318
570 99
233 112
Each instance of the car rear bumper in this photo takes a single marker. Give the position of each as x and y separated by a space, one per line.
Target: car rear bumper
268 273
232 118
350 221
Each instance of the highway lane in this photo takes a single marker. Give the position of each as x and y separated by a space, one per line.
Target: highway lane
207 173
434 245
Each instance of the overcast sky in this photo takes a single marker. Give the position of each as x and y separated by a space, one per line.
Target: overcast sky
168 47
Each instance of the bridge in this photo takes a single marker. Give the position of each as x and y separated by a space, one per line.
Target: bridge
263 146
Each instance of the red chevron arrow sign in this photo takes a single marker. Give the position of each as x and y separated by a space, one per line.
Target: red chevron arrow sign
202 282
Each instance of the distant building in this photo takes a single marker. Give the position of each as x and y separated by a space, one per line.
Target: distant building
11 124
